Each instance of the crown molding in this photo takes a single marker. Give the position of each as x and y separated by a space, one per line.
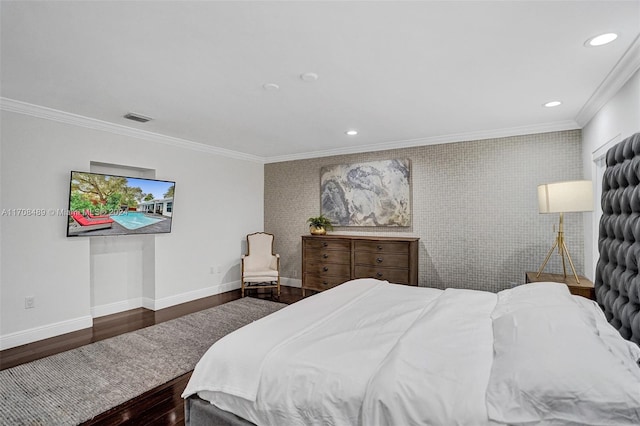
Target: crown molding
20 107
621 72
38 111
435 140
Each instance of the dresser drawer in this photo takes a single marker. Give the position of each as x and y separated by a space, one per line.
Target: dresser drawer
315 282
327 244
393 275
325 269
322 255
382 259
382 246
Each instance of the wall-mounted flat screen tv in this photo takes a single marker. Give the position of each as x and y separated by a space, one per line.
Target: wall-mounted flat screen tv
101 204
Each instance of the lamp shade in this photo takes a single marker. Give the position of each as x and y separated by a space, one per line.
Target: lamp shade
562 197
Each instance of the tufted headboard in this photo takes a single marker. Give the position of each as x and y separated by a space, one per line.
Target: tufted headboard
617 282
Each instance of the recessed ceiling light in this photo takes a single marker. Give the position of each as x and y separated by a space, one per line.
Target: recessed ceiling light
351 132
309 76
601 39
270 87
552 104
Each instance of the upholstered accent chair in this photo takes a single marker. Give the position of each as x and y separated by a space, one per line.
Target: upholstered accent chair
260 266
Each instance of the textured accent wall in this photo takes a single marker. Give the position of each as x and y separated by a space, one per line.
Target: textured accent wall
474 207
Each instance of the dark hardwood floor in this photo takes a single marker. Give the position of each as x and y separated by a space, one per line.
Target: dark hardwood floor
159 406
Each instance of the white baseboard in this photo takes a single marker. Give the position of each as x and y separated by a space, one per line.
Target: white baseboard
177 299
233 285
23 337
156 304
148 303
205 292
114 308
52 330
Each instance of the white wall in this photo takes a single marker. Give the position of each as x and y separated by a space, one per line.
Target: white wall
474 207
218 201
616 120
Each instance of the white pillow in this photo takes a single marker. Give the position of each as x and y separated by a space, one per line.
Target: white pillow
552 367
531 296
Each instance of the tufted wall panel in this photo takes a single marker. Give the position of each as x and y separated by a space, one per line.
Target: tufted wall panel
617 282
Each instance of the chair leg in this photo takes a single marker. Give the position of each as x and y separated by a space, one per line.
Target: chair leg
242 289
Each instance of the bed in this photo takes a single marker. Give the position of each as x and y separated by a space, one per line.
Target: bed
370 352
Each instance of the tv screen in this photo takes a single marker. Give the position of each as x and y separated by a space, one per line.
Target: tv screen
101 204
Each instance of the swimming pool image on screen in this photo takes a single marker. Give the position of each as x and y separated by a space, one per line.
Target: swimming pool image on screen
134 220
112 205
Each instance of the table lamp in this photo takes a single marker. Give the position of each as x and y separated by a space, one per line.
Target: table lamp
564 197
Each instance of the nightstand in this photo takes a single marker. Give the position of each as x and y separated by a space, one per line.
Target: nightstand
583 288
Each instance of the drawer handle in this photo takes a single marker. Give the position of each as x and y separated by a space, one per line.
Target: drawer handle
379 260
324 244
325 269
379 247
379 274
325 283
325 255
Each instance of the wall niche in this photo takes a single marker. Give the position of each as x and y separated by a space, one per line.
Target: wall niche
122 267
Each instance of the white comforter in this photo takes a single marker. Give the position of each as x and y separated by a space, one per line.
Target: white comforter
373 353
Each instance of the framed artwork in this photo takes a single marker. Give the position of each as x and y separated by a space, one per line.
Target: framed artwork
377 193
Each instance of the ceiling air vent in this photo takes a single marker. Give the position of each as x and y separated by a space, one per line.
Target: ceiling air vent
137 117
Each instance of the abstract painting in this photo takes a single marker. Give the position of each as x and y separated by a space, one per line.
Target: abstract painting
377 193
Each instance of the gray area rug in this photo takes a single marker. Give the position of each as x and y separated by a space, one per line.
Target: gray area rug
75 386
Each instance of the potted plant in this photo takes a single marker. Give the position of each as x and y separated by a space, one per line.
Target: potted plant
319 225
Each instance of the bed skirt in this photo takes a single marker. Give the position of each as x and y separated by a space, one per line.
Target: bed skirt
200 412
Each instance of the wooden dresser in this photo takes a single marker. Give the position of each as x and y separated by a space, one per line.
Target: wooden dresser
330 260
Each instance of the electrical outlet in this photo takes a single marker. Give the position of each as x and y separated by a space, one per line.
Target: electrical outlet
295 274
29 302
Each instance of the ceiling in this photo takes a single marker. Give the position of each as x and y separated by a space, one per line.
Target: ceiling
401 73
